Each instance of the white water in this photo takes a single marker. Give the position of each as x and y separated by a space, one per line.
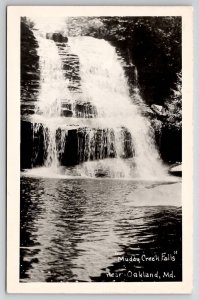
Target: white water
104 85
53 91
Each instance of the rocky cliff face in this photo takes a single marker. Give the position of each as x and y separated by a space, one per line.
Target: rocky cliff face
76 145
29 69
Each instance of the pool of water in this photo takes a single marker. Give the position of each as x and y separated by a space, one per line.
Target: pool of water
100 230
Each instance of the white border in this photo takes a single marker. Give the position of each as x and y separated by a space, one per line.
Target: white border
13 149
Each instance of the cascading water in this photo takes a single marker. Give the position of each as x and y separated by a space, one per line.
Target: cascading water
118 140
53 91
105 86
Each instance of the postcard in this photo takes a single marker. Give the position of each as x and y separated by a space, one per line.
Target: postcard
99 149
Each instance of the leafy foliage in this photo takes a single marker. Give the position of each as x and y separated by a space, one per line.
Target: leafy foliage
174 105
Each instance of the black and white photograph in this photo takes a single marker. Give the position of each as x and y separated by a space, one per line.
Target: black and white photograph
100 148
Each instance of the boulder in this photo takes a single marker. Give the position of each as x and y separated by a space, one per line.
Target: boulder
176 170
57 37
158 109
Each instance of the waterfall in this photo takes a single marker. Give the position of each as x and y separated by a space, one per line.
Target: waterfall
114 139
104 85
53 90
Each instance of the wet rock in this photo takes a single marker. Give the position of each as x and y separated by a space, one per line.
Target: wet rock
170 144
85 110
57 37
102 173
176 170
32 146
158 109
66 113
30 73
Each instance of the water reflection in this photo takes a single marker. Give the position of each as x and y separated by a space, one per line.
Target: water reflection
74 230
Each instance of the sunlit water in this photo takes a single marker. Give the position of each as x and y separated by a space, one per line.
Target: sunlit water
78 229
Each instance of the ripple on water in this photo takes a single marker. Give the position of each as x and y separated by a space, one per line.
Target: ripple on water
75 229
